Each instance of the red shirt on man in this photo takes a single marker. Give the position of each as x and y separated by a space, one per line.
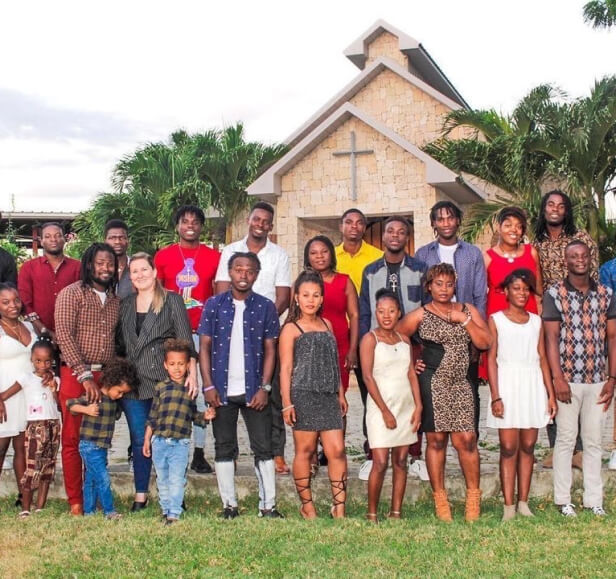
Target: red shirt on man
39 285
190 273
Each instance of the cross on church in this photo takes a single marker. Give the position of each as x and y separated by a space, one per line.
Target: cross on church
353 152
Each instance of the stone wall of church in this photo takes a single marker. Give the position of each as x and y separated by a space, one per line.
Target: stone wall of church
386 44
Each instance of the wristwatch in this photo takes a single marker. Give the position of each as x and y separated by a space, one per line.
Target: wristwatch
266 387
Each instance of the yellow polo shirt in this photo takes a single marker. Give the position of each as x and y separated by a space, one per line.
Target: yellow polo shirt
353 265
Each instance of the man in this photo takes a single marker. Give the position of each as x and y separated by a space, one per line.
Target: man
188 268
352 256
86 314
396 271
274 282
41 279
555 228
8 267
116 235
580 321
237 356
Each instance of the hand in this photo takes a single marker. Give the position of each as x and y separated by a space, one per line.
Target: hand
458 316
606 394
419 366
210 413
389 419
147 448
48 379
344 405
2 411
53 386
93 394
192 385
289 416
552 407
416 418
498 409
562 390
259 400
350 362
212 398
92 409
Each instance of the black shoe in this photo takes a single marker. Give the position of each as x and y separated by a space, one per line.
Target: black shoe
184 507
139 506
271 514
170 522
230 513
321 458
18 501
199 464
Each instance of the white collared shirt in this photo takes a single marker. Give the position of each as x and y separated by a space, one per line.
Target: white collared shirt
275 267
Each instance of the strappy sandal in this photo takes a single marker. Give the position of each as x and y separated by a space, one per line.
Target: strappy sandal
24 514
393 515
338 488
372 517
301 488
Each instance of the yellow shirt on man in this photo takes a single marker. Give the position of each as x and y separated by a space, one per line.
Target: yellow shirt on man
353 265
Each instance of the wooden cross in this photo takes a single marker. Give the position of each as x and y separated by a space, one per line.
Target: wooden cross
353 152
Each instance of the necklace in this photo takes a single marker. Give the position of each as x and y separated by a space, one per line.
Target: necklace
15 329
446 315
388 337
196 254
509 256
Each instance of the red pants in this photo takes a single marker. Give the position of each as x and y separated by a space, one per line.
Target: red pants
72 466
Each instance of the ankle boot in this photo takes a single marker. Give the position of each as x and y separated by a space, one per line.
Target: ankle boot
473 504
441 506
199 464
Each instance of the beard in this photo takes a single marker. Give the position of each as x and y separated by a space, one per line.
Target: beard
103 282
57 251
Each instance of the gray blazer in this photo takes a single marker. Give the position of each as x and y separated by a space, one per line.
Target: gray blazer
145 350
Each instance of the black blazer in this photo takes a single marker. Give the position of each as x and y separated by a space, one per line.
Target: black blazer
146 350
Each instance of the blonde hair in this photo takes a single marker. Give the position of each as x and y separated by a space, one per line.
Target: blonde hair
160 293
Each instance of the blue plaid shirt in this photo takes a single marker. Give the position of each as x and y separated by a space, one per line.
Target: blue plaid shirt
260 323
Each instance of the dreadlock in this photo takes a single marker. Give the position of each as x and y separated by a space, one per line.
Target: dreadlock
541 228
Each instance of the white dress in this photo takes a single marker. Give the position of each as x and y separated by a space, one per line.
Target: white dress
390 372
14 363
520 382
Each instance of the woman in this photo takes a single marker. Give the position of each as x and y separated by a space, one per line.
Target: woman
312 397
447 329
147 319
522 396
16 340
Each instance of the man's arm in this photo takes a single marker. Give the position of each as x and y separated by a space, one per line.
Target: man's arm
282 282
552 350
365 315
283 299
480 285
222 279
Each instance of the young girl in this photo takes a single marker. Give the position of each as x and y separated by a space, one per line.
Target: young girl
312 397
42 436
393 410
522 396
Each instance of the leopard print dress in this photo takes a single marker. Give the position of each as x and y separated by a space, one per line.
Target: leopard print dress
447 397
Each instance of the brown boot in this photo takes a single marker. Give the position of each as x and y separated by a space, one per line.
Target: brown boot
441 506
473 504
577 460
77 509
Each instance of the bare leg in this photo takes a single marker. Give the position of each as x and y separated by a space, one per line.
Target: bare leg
509 451
333 447
4 446
526 461
380 458
305 446
19 458
43 491
436 453
465 444
399 458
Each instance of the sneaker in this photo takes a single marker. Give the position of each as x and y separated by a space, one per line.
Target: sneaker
271 514
612 464
230 513
113 516
364 470
418 468
568 510
598 511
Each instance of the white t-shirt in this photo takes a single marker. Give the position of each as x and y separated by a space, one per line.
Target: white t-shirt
446 252
275 268
102 296
236 377
40 402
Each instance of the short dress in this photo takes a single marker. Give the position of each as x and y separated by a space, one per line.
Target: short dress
520 381
390 372
315 382
447 396
335 310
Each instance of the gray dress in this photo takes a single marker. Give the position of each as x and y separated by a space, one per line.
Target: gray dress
315 382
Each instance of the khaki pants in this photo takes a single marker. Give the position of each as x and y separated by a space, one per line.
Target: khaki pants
583 407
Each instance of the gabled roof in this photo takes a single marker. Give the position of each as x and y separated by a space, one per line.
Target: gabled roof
357 84
427 69
437 174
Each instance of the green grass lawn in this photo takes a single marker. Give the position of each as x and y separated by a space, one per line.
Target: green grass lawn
52 544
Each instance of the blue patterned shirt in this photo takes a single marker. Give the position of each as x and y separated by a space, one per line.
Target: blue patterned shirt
607 274
260 323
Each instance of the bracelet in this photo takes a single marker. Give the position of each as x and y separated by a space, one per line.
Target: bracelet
496 400
468 319
288 407
204 390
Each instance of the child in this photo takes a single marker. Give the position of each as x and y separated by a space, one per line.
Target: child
393 410
522 396
42 436
169 428
96 432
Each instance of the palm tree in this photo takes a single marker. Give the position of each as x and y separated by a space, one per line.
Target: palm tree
600 13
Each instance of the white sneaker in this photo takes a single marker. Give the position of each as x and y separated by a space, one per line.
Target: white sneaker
568 510
418 468
364 470
598 511
612 464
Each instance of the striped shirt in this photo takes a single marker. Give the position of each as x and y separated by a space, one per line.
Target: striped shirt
97 429
173 411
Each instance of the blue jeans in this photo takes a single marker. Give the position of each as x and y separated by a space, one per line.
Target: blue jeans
137 412
96 482
170 456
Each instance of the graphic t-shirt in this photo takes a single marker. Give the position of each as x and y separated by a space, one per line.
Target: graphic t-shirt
190 273
40 401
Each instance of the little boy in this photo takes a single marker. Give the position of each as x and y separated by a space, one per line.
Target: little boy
169 428
96 432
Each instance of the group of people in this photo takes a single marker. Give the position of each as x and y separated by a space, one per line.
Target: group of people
192 336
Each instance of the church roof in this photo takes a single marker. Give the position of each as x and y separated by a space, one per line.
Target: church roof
437 175
421 61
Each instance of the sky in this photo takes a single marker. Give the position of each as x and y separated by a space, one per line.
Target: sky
82 84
